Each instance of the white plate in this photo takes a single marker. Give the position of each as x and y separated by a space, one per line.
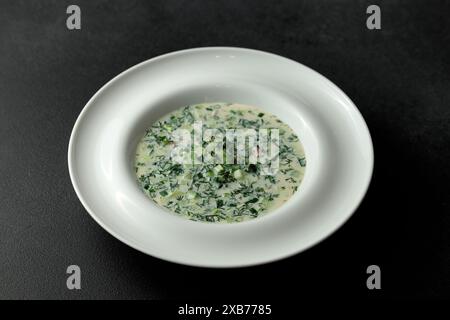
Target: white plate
337 144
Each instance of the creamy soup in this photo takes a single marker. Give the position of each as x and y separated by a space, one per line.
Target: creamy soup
210 180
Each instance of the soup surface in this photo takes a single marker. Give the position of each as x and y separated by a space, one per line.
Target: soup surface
220 162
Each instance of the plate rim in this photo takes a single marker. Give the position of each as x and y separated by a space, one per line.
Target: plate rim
136 246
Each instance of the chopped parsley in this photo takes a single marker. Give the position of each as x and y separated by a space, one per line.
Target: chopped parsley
217 192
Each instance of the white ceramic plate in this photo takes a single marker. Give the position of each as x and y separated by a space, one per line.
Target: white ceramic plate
337 144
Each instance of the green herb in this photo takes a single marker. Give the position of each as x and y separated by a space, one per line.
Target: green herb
216 192
163 193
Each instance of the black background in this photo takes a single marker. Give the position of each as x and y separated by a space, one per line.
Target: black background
397 76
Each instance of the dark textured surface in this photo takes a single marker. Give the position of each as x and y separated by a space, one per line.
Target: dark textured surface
399 77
